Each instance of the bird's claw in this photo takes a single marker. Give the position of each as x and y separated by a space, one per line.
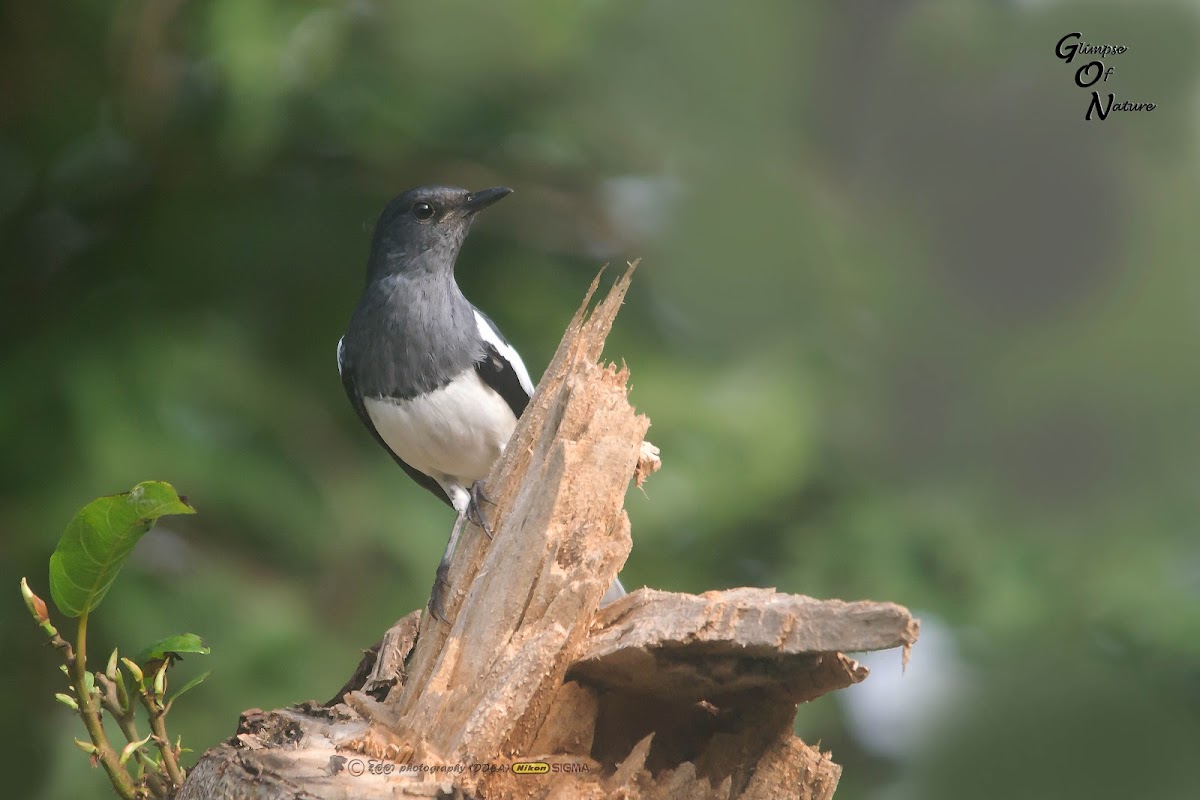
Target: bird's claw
475 513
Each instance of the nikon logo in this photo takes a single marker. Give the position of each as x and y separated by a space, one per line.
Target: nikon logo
531 767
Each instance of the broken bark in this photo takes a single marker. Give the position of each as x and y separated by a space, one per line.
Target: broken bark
658 695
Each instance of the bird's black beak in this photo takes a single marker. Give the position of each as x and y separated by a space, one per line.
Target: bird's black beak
478 201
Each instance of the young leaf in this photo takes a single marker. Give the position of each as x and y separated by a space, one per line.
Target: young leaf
96 543
160 682
133 668
192 684
173 646
132 748
37 607
123 701
35 604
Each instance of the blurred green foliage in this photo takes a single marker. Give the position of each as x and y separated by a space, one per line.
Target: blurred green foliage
907 327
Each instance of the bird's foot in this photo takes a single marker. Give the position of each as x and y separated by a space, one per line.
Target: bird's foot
474 512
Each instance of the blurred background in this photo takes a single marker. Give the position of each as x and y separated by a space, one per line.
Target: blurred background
908 328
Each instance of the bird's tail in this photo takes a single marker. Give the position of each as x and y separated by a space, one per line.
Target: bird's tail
615 592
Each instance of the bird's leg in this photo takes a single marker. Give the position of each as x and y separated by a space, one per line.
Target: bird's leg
474 512
437 598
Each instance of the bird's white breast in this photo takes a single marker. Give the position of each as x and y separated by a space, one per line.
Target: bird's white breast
452 434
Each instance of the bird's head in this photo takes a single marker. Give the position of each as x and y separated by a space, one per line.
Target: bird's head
423 229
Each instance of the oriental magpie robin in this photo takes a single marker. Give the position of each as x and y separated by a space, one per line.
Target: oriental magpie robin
428 373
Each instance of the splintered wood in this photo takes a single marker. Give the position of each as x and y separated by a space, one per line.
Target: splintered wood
529 691
524 600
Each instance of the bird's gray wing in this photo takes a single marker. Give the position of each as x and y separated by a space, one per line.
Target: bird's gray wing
501 367
359 408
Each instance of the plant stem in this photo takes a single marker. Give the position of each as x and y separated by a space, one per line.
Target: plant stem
91 717
145 765
158 727
115 699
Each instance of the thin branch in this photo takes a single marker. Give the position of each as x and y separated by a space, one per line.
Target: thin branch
115 700
64 648
158 728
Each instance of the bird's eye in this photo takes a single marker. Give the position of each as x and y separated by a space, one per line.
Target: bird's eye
423 211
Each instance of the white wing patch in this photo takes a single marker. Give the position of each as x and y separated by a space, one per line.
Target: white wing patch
506 351
339 354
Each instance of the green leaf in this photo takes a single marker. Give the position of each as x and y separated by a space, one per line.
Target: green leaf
133 668
95 545
177 644
160 681
133 747
192 684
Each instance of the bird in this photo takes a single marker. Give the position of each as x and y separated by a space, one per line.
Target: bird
429 374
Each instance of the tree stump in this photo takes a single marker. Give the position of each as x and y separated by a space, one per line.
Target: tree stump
530 691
